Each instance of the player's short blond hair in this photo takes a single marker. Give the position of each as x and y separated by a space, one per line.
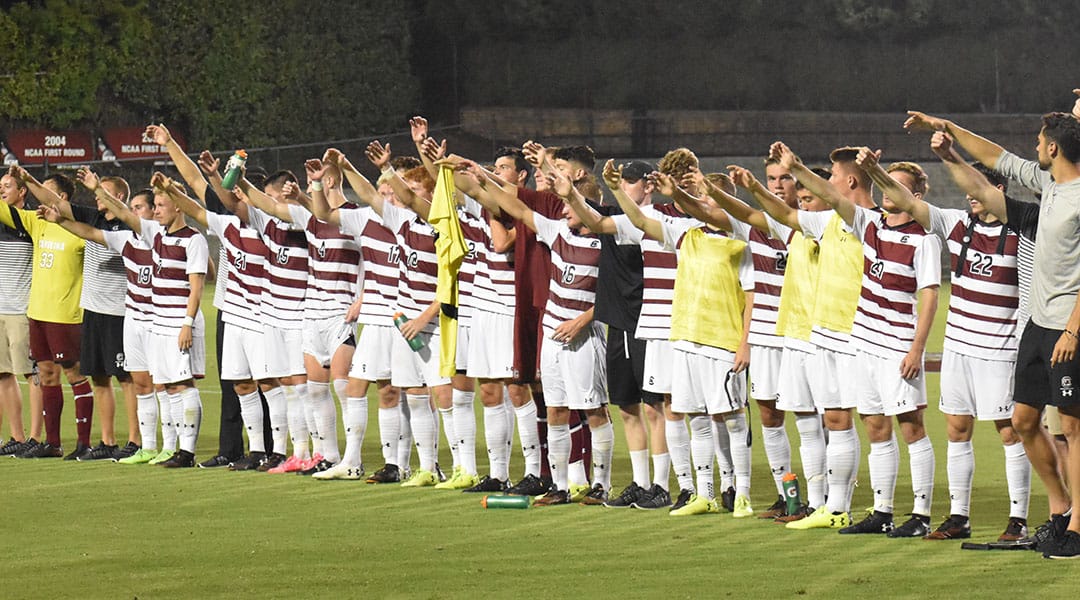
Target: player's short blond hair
922 182
677 163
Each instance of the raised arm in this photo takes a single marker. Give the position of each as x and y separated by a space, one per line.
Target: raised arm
208 164
115 206
43 194
379 156
694 207
968 178
769 202
651 227
363 188
817 186
187 167
418 127
319 206
186 204
249 194
903 198
52 214
980 148
743 211
513 207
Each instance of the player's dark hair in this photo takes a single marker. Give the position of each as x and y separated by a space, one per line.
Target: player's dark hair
63 182
1063 129
404 163
149 193
515 153
819 171
583 155
279 178
996 179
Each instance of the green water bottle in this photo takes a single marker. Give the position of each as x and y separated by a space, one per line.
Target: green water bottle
232 170
505 501
791 493
399 321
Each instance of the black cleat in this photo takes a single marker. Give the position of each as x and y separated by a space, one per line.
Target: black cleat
531 485
875 522
24 450
489 485
683 499
954 528
248 463
596 496
727 499
218 461
653 498
552 498
777 510
12 447
1066 548
630 494
45 450
99 452
125 451
181 460
388 474
1047 535
1015 531
79 452
318 468
272 460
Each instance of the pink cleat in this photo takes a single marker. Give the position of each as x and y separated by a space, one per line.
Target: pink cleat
311 462
293 464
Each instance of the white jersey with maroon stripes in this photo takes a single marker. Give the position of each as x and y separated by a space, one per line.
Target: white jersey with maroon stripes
575 261
246 254
985 296
419 270
658 272
176 255
334 266
897 263
382 257
139 267
770 259
286 270
493 287
475 232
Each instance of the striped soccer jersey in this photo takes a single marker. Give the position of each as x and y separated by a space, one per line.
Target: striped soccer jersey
419 269
770 257
246 255
15 270
334 266
493 289
138 260
381 255
104 275
575 263
176 255
473 228
285 284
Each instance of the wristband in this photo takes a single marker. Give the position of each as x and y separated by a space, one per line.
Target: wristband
387 169
316 185
189 321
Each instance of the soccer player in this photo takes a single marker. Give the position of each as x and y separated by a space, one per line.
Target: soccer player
54 316
1047 365
17 248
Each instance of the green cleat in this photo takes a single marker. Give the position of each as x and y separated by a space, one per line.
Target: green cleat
821 519
460 481
141 457
742 508
698 505
421 478
161 457
578 492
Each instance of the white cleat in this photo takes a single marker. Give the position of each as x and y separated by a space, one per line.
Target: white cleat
341 471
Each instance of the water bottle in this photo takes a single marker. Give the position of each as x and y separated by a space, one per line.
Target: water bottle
505 501
791 493
399 321
232 169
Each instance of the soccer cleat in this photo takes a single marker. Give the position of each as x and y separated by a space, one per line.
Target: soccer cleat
597 495
1047 535
25 447
742 507
247 463
80 451
820 519
10 448
800 513
682 499
698 505
125 451
459 480
311 462
653 498
45 450
916 526
139 458
954 528
531 485
181 460
489 485
727 499
552 498
777 510
291 465
579 491
340 471
875 522
630 494
319 467
1015 531
161 457
99 452
388 474
218 461
272 461
1066 548
421 478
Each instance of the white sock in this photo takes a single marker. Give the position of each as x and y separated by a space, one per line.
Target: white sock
842 458
576 473
355 428
465 429
298 427
603 447
325 420
1018 476
921 457
497 439
308 391
192 418
168 425
510 418
148 419
176 406
559 455
857 456
389 433
778 452
661 464
529 436
960 465
405 442
703 450
812 452
447 417
740 451
252 414
639 462
884 463
279 419
678 439
722 443
423 429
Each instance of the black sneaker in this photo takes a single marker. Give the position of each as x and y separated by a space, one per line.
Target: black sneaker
9 448
126 451
318 468
531 485
552 498
1047 534
683 499
777 510
272 460
596 496
218 461
727 499
488 484
630 494
1067 547
653 498
388 474
1015 531
247 463
954 528
45 450
79 451
875 522
24 450
181 460
99 452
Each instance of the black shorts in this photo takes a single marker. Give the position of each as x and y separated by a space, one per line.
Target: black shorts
626 369
102 348
1037 384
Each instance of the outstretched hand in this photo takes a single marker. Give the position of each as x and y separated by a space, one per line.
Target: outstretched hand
159 133
433 151
921 121
160 182
741 176
208 163
49 213
664 183
315 169
612 175
418 126
535 153
88 178
867 159
290 191
378 154
941 144
784 155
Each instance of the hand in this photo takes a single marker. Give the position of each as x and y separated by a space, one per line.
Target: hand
49 213
612 175
742 358
741 177
88 178
664 183
378 154
183 341
544 181
917 120
333 156
535 153
1064 349
912 364
867 159
241 195
208 164
315 169
290 191
419 128
19 173
433 151
353 313
158 133
160 182
784 155
561 184
694 179
568 331
941 144
414 327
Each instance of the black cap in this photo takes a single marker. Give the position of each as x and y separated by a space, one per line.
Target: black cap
636 170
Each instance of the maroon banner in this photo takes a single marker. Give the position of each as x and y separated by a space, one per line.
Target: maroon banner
129 142
37 146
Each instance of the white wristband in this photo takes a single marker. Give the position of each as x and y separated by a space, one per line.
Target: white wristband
316 185
189 321
387 169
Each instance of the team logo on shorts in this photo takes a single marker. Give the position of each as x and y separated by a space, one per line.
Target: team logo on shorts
119 360
1066 387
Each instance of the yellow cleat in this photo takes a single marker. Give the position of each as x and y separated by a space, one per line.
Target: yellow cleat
578 492
421 478
698 505
821 519
742 508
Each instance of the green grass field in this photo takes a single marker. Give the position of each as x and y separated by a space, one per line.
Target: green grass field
103 530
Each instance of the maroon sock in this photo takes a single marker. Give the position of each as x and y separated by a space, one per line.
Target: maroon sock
84 409
541 430
52 403
580 439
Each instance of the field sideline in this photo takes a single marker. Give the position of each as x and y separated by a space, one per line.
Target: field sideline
102 530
